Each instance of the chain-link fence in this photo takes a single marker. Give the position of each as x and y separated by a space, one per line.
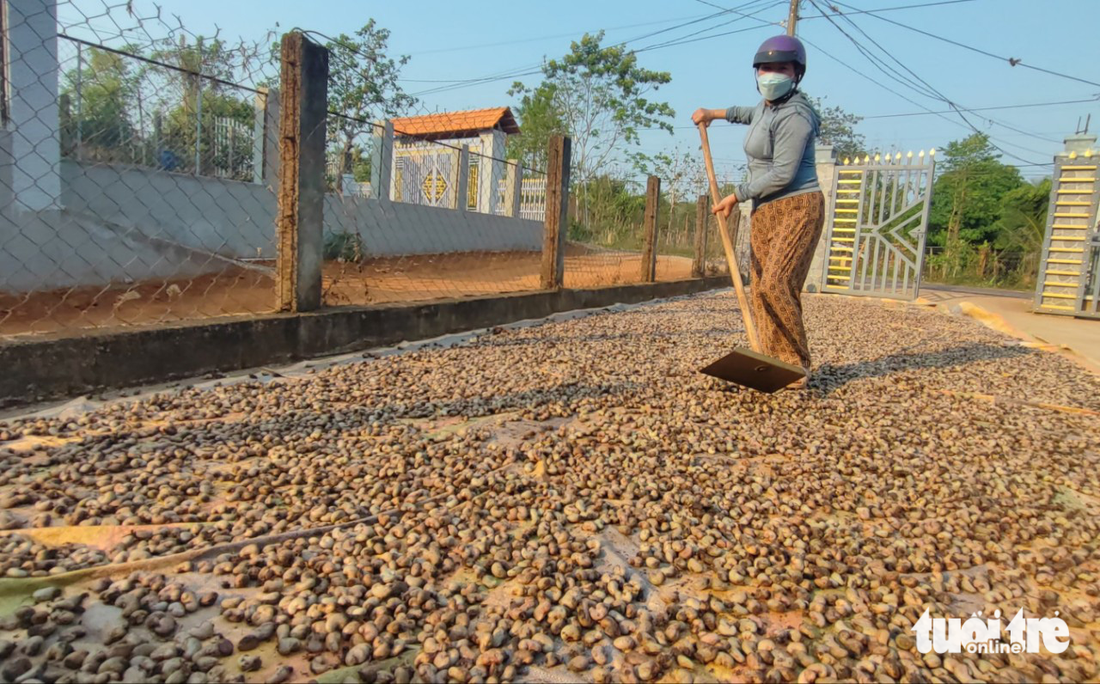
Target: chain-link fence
606 232
608 235
141 176
136 184
423 209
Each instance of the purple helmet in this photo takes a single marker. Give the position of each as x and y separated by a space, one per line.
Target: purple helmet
781 49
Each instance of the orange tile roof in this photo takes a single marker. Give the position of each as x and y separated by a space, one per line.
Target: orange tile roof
457 124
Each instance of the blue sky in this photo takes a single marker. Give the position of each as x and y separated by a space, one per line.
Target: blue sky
469 40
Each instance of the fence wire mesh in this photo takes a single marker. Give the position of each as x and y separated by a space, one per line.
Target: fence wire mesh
606 232
429 208
141 163
137 182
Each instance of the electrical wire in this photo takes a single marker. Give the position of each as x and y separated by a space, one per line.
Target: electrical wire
531 71
984 109
682 40
537 38
1012 61
893 9
891 90
937 95
518 72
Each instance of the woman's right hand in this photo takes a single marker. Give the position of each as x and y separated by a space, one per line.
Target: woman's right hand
725 207
701 116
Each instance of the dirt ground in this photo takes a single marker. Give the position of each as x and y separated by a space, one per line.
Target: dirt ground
444 276
243 291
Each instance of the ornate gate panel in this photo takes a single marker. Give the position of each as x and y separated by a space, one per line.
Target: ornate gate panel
877 229
1069 273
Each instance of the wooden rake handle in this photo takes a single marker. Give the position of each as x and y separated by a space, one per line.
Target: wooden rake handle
728 243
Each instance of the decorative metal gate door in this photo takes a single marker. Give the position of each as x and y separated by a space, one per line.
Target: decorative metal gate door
1069 274
877 229
426 174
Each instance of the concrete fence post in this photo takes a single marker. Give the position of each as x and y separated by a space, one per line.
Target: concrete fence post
301 195
381 162
30 38
556 226
825 156
259 113
649 246
272 117
698 261
513 189
462 187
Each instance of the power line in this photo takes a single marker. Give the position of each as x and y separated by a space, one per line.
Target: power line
892 9
937 94
985 109
536 68
743 15
924 88
891 90
682 40
884 9
1012 61
531 71
538 38
696 40
724 10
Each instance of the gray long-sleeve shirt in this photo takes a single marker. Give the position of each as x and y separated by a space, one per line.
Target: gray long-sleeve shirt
780 149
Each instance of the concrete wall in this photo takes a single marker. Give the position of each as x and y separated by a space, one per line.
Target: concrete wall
395 228
54 249
124 224
229 218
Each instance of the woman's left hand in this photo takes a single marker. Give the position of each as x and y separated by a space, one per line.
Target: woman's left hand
725 207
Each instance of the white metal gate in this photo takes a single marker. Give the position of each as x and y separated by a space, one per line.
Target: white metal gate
877 229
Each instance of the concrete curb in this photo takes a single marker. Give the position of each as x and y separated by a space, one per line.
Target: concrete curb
38 370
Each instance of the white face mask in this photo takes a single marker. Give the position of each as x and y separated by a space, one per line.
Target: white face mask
774 86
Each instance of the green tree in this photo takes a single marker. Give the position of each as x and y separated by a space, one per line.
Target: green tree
107 87
967 195
682 176
838 128
361 164
614 212
967 202
180 124
363 86
540 119
1022 225
599 94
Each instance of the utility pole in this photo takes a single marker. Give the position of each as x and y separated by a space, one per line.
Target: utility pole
792 18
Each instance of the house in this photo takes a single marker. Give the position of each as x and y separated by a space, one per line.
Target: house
426 155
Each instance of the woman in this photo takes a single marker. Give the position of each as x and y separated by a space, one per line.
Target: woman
788 207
